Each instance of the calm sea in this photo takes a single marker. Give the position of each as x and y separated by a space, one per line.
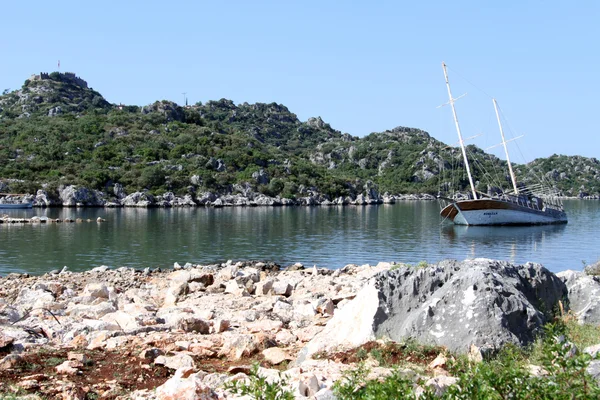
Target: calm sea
326 236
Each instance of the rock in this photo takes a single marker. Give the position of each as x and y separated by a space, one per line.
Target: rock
233 288
453 304
96 291
5 341
175 293
275 355
221 325
175 362
261 177
584 295
325 394
438 362
592 350
69 367
138 199
263 287
125 320
72 196
30 299
593 369
10 361
185 385
151 354
78 357
282 289
309 387
93 312
193 324
592 269
325 306
100 269
441 383
236 346
285 337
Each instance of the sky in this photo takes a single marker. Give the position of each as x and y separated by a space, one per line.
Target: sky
361 66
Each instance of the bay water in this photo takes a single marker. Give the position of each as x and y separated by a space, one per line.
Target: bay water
331 237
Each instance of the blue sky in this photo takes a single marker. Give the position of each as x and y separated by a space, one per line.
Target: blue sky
362 66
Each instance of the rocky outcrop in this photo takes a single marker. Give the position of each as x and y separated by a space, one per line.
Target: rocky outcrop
139 199
170 110
73 196
584 294
477 302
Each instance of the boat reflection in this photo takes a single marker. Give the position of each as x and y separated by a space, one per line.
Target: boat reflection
498 234
500 241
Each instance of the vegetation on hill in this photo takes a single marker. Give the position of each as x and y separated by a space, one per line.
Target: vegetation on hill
56 131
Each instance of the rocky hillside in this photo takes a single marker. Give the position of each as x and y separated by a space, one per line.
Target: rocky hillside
56 132
573 176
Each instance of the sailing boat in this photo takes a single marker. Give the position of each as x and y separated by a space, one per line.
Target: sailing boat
522 206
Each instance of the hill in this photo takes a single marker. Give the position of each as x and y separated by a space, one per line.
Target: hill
56 131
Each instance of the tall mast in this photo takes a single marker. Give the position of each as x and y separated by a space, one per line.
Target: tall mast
510 169
460 139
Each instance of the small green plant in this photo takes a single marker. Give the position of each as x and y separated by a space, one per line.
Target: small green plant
54 361
378 356
506 375
355 385
258 388
361 353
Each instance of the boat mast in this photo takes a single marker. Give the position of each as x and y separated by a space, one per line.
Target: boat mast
510 169
460 139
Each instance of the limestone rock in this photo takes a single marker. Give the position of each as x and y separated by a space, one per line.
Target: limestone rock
453 304
282 289
441 383
177 361
10 361
237 346
185 385
72 196
69 367
274 355
584 295
193 324
5 340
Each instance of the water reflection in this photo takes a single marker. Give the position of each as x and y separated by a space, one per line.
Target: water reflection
505 242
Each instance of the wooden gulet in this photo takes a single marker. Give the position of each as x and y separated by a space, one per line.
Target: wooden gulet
521 207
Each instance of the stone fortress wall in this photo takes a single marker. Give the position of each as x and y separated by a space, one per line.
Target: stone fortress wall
69 77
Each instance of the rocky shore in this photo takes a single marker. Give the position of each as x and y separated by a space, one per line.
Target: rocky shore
238 196
185 333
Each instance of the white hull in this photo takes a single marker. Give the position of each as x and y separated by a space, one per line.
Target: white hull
504 217
502 212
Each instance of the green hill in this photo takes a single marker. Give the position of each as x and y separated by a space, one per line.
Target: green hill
56 131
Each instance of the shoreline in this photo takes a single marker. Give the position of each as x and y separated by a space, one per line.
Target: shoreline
72 196
203 325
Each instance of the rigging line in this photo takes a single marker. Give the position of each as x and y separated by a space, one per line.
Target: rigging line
486 173
539 178
469 82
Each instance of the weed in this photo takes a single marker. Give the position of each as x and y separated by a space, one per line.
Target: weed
378 356
54 361
361 353
505 376
259 388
